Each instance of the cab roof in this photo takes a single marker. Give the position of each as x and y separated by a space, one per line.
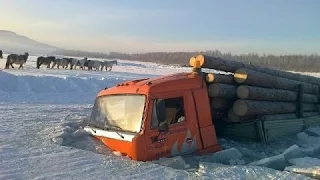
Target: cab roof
167 83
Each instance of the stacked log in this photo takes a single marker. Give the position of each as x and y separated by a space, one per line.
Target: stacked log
221 103
220 78
251 107
234 118
231 66
266 94
227 91
255 78
253 92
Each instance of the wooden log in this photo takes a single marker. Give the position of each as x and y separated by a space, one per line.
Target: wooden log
218 113
221 103
310 114
309 98
251 107
227 91
278 117
254 78
309 107
231 66
216 63
233 117
220 78
286 116
267 94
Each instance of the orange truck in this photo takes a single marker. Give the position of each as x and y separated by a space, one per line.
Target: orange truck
166 116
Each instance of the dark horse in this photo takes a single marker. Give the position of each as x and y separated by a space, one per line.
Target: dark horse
1 54
16 59
45 61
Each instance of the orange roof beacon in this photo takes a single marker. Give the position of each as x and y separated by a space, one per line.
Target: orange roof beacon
170 115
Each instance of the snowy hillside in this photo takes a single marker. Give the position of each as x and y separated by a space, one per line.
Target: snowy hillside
12 42
41 137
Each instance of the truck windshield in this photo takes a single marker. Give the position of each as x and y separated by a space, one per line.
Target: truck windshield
121 112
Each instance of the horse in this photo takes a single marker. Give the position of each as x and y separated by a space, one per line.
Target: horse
76 62
61 62
1 54
94 64
109 64
69 62
45 61
16 59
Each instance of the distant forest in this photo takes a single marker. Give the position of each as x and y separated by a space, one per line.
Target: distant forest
302 63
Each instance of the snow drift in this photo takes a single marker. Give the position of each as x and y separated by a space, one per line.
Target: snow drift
46 89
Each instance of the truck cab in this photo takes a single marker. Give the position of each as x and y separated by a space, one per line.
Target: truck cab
147 119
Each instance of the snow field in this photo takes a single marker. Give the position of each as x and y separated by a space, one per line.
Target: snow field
44 110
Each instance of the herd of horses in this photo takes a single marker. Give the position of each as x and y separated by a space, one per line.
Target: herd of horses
72 63
52 61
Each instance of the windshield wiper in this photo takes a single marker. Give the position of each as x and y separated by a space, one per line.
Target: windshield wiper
114 126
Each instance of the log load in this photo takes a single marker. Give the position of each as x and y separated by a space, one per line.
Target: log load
221 103
286 116
271 117
233 117
254 78
220 78
218 114
218 90
252 107
217 63
266 94
231 66
310 114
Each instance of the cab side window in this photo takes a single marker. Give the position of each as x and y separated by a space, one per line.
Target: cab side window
174 109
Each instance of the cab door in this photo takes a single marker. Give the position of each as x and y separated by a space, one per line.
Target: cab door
181 135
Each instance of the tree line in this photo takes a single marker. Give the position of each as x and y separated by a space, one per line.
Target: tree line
301 63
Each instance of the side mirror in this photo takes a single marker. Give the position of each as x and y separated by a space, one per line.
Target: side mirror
163 127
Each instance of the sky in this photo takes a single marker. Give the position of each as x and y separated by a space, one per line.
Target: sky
273 26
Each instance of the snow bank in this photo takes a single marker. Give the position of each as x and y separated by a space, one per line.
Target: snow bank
305 162
230 156
293 151
274 162
219 171
175 162
70 133
49 89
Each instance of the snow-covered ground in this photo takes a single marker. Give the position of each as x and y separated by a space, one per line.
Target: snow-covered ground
42 112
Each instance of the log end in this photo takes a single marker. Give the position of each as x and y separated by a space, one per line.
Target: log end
200 58
240 75
240 107
192 61
209 77
242 92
